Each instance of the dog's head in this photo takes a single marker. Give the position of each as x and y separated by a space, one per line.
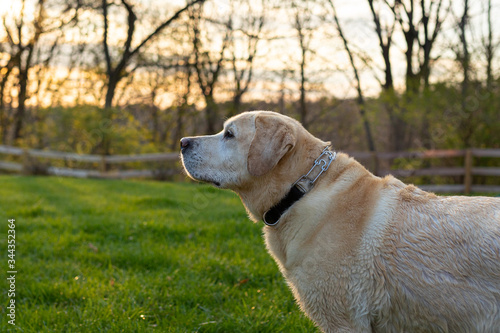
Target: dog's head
258 154
250 145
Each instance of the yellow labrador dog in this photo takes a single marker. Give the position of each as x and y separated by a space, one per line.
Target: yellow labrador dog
360 253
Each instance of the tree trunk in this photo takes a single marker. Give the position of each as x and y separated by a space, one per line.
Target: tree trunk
303 105
3 114
466 118
236 108
210 114
425 132
179 126
21 108
156 123
489 51
389 84
412 81
113 80
282 102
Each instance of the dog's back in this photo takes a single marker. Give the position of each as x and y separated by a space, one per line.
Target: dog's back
440 264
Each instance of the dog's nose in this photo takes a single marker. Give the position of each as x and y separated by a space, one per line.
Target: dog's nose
185 142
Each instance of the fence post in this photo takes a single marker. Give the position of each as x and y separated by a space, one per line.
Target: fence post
103 165
27 163
468 171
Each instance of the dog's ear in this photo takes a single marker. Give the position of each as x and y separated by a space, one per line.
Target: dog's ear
273 139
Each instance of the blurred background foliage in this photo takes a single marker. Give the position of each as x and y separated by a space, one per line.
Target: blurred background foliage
134 76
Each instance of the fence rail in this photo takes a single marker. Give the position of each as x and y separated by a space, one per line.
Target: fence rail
103 163
467 171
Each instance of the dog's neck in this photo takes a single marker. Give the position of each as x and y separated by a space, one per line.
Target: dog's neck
293 165
301 187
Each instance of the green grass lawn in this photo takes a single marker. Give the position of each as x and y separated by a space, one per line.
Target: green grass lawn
137 256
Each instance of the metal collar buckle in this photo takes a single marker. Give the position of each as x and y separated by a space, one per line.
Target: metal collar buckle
304 183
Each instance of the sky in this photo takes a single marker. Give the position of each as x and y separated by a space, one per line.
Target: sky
329 63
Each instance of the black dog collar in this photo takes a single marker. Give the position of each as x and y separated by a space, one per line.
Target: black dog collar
301 187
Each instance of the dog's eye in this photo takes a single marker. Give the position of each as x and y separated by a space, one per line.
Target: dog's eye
228 134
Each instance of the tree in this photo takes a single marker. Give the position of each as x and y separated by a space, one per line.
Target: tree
464 60
490 48
304 27
23 33
208 62
361 99
421 27
243 43
420 23
6 71
384 34
117 69
183 104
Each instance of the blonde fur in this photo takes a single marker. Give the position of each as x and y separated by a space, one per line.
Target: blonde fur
360 253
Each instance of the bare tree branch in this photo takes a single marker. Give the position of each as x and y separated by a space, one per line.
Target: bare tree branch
165 24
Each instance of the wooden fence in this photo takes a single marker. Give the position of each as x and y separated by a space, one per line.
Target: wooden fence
110 167
467 171
104 164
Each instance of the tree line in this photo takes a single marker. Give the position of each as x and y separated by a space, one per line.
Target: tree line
127 75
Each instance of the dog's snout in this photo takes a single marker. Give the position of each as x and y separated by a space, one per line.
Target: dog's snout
185 143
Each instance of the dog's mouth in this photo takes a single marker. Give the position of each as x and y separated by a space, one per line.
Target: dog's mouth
191 170
212 182
209 181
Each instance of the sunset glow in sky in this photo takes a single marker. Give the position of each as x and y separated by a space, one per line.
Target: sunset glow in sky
328 65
